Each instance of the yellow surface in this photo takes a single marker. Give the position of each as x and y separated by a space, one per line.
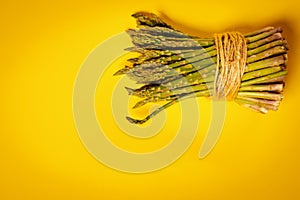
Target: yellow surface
43 44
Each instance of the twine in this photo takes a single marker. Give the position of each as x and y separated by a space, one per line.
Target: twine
231 64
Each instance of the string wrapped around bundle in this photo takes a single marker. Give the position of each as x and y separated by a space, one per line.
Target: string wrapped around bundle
248 69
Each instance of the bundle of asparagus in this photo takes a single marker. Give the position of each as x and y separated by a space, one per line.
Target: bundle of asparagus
174 66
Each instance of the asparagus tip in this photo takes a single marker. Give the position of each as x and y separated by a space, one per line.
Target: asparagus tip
132 60
122 71
139 104
139 14
132 49
129 90
135 121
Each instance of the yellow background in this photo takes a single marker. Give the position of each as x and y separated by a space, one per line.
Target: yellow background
43 44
